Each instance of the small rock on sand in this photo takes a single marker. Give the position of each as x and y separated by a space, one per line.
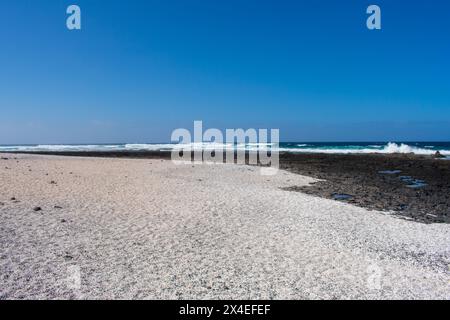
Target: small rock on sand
37 209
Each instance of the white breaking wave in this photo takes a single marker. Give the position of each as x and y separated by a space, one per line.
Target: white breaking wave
57 147
404 148
148 146
300 148
388 149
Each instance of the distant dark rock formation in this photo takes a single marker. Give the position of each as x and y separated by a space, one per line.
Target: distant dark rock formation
438 155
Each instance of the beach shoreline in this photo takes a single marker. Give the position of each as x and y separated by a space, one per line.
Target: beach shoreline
117 228
358 176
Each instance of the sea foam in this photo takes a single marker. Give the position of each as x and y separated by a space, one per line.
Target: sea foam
351 148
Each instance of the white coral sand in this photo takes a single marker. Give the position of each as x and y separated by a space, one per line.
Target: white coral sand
147 229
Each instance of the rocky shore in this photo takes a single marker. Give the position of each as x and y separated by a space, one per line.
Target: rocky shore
409 186
415 187
109 228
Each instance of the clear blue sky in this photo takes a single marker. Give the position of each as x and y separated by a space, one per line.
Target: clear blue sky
139 69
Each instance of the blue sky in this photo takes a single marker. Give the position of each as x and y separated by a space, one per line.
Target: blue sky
139 69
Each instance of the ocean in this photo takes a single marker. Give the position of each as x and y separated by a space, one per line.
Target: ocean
420 148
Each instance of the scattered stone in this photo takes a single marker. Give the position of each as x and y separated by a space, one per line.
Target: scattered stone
401 207
5 158
13 199
37 209
57 207
68 257
52 182
63 220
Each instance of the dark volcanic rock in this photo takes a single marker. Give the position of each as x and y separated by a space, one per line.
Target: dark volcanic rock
37 209
421 193
438 155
